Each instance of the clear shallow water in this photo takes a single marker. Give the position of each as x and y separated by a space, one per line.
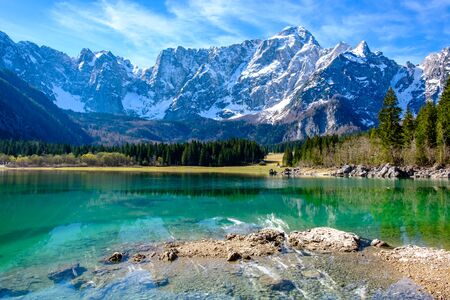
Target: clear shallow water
52 218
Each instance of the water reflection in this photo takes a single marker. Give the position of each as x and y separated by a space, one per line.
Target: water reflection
50 213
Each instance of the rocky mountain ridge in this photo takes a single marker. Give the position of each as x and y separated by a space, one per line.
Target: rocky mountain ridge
286 79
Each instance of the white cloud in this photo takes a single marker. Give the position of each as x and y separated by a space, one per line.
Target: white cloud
194 23
199 24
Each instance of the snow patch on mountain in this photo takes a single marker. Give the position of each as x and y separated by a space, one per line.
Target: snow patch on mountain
66 100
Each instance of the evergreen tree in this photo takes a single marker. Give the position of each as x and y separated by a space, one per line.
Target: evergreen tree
443 122
425 131
296 158
389 118
408 128
204 157
288 158
389 128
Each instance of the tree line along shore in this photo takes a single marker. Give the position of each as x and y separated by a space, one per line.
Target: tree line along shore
234 152
422 140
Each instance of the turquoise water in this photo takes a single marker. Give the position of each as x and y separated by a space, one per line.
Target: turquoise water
51 218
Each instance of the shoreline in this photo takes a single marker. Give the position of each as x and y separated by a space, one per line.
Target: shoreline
271 168
253 170
428 268
320 253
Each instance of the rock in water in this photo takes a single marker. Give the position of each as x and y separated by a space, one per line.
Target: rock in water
324 239
234 256
115 258
66 274
138 257
378 243
169 255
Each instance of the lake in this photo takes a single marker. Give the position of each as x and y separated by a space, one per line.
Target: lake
48 219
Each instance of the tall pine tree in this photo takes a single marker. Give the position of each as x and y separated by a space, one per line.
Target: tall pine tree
288 157
408 128
425 132
443 122
389 129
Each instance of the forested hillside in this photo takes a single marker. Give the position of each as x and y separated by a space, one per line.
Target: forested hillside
422 140
26 113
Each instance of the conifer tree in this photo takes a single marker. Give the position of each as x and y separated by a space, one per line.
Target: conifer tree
389 128
443 122
296 158
408 128
288 157
425 131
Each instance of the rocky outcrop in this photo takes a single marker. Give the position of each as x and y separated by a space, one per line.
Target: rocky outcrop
324 239
391 171
436 172
384 171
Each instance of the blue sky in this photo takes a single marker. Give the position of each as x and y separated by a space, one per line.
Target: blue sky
138 29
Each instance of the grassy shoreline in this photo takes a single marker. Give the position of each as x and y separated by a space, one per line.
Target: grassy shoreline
272 160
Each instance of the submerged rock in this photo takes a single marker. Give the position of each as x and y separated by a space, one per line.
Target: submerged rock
324 239
9 293
66 273
279 285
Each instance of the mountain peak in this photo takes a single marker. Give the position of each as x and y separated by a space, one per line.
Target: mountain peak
297 32
5 37
362 49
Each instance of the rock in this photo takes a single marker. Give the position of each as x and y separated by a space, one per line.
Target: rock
169 255
283 285
67 273
344 171
160 281
324 239
265 236
230 236
115 258
234 256
246 257
379 243
359 171
286 172
8 293
138 257
277 284
272 172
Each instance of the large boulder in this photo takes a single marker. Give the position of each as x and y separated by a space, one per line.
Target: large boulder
344 171
324 239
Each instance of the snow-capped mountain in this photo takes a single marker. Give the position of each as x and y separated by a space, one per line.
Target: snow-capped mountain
286 79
